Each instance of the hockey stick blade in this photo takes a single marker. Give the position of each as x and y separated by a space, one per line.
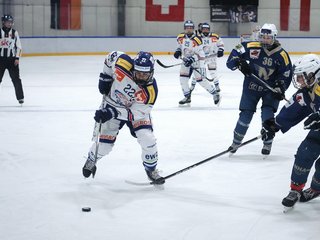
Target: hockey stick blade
167 66
139 183
209 79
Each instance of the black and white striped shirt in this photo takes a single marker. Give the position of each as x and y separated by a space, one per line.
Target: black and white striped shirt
10 45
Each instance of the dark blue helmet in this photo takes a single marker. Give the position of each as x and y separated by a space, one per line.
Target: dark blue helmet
7 18
188 23
143 68
205 25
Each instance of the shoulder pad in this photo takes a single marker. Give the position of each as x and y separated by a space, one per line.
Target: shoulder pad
214 35
317 89
253 44
285 57
125 63
197 40
181 35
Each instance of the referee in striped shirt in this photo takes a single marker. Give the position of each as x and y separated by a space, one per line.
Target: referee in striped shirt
10 51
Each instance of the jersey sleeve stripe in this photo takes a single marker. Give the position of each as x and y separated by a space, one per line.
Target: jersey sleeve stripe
124 64
285 57
152 94
317 89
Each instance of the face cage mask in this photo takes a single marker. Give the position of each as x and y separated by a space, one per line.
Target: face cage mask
304 80
266 45
142 82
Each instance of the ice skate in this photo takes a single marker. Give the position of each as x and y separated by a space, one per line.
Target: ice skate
233 148
185 101
216 98
266 149
89 168
309 194
21 101
155 177
289 201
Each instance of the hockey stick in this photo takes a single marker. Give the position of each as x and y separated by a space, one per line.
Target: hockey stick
209 79
196 164
99 130
268 86
177 64
168 66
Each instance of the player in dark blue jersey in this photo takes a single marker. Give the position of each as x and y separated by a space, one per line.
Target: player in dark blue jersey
304 103
270 62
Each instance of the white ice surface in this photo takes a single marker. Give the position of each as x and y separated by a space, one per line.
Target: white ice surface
43 145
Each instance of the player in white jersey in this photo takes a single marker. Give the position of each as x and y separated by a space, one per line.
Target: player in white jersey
129 100
213 48
190 50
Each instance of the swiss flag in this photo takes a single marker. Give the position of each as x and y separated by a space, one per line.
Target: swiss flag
165 10
295 15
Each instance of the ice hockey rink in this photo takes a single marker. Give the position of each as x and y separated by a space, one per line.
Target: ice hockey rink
45 142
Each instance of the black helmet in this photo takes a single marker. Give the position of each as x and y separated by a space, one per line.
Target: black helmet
6 18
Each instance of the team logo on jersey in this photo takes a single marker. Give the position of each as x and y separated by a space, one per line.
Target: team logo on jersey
5 43
140 96
254 53
122 99
300 99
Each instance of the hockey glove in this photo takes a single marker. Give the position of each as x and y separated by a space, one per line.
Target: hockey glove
188 61
177 54
244 67
279 95
105 83
220 52
313 121
105 114
269 129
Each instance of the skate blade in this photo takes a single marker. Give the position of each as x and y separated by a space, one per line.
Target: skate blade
264 157
185 105
287 209
158 187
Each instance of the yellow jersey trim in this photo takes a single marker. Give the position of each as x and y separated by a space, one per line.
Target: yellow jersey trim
124 63
198 40
253 44
152 94
285 57
317 90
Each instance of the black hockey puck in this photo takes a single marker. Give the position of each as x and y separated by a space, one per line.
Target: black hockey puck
86 209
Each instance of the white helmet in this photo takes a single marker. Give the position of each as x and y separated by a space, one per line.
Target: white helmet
306 71
112 58
270 30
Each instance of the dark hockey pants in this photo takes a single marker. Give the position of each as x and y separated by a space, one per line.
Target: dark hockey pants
8 63
307 153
